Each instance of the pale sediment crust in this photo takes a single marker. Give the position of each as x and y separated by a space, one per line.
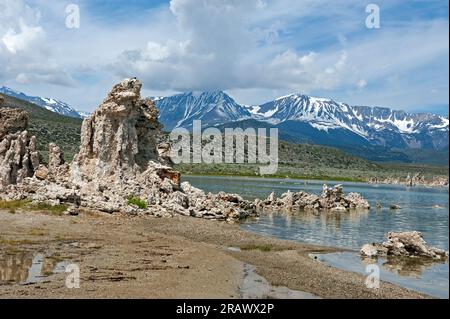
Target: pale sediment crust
146 257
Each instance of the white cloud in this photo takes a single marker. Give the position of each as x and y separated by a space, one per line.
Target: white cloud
213 40
24 39
255 49
24 52
222 45
361 84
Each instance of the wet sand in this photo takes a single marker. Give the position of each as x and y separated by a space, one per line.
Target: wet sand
147 257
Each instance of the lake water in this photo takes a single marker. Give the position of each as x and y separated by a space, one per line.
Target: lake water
423 209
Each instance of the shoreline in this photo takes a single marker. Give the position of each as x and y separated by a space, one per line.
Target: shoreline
147 257
318 179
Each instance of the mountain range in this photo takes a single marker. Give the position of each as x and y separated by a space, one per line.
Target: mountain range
212 108
377 133
374 133
44 102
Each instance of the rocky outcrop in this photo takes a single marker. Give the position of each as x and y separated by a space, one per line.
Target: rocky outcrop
118 139
19 157
332 199
164 155
121 168
57 169
406 244
438 181
417 179
12 121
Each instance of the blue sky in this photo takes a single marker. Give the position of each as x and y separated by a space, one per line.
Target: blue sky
256 50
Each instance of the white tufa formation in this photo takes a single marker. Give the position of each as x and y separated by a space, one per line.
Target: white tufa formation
119 168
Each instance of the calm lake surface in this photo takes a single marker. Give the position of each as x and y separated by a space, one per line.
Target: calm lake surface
352 230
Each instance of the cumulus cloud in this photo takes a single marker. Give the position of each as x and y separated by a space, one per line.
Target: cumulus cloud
223 45
222 48
215 37
24 39
24 52
256 49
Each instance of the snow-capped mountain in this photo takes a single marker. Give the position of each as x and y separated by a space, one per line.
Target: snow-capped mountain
314 120
377 125
47 103
212 108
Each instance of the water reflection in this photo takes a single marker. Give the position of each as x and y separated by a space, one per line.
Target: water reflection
425 275
26 267
409 267
310 216
15 267
256 287
423 209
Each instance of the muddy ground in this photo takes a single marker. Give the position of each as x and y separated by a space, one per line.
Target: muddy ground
147 257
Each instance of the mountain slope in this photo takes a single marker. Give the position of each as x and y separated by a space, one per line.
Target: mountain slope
376 133
48 127
211 108
46 103
376 125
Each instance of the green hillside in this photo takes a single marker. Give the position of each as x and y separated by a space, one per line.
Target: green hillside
50 127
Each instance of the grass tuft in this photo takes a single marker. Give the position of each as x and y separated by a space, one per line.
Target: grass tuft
132 200
37 232
265 248
13 204
57 210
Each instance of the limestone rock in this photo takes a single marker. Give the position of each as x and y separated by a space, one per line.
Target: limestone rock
12 121
356 201
41 172
118 139
369 250
71 211
332 199
19 157
417 179
406 244
164 154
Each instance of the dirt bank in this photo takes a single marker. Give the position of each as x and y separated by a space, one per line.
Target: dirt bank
181 257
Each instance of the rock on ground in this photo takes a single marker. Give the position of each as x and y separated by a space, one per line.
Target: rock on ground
407 244
414 180
13 121
19 157
331 199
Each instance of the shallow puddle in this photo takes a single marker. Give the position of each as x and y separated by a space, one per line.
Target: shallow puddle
27 268
256 287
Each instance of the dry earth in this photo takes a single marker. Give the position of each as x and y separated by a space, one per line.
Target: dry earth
182 257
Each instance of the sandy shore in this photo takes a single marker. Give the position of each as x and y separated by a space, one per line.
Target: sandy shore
182 257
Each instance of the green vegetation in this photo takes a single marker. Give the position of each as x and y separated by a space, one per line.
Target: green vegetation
264 248
57 210
132 200
15 205
317 162
49 127
13 242
37 232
